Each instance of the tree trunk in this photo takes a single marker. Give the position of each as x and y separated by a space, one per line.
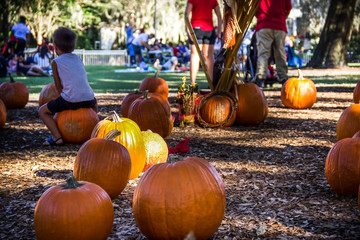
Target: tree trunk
335 37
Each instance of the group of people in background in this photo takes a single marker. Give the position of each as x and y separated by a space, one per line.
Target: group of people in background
36 63
270 32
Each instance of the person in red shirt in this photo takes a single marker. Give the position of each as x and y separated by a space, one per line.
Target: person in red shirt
271 31
202 23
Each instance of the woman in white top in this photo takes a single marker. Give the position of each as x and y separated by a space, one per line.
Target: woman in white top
42 58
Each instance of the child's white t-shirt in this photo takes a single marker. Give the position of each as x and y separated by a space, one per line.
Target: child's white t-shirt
73 78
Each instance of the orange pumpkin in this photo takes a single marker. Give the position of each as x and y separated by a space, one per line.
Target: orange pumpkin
359 198
75 210
152 112
3 114
130 138
156 149
128 100
173 199
14 94
356 93
104 162
342 167
75 126
48 93
217 109
349 122
298 92
155 85
252 107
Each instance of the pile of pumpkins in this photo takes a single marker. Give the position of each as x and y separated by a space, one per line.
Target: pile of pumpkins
342 167
119 149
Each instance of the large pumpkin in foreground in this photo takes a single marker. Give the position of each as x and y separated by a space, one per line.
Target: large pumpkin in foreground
252 107
173 199
349 122
75 126
75 210
48 93
342 167
15 95
104 162
298 92
155 85
3 114
130 138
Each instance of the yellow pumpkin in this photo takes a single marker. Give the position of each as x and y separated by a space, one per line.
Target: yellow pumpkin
130 138
155 147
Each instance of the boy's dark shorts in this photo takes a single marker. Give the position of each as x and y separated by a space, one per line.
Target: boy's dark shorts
204 37
59 104
137 49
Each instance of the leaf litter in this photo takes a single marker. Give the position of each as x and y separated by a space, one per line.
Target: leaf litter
273 173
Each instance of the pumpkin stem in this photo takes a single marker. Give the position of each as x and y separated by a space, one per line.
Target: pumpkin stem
111 135
157 73
301 77
71 182
11 78
146 94
116 117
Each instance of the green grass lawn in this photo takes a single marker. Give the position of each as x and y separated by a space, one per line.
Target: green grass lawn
104 79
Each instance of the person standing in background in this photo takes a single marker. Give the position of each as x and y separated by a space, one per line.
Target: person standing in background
202 23
271 32
22 33
129 29
141 41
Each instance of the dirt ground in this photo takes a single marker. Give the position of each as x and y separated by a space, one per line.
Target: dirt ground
273 173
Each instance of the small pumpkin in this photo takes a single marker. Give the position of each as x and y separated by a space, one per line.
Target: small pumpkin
152 112
155 147
349 122
128 100
359 198
298 92
104 162
356 93
15 95
48 93
3 114
217 109
252 107
75 126
342 166
130 138
155 85
74 210
189 192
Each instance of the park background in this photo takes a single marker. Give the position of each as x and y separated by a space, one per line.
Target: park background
101 24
